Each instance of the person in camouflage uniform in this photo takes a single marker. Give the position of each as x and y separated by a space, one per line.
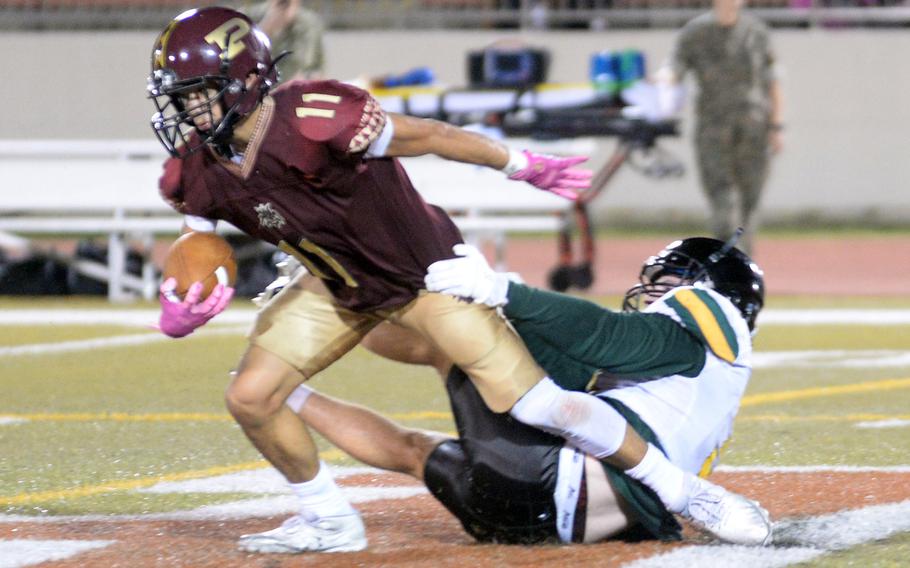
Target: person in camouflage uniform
738 120
291 27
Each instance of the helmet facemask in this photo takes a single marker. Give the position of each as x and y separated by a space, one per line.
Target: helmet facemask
180 115
712 263
658 276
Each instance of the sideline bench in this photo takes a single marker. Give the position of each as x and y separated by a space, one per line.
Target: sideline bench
109 187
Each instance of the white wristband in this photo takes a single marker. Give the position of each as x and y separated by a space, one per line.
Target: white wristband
517 162
298 398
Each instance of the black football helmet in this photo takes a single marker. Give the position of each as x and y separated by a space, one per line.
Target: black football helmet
710 262
211 51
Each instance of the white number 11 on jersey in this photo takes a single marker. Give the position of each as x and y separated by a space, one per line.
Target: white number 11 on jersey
308 111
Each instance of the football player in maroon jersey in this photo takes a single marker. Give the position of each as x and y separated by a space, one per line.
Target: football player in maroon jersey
311 168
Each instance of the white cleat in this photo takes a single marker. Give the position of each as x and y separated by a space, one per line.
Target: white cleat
296 535
730 517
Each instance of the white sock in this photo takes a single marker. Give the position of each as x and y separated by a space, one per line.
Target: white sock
669 482
320 497
587 422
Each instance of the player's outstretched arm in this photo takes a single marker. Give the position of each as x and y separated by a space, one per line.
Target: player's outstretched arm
419 136
180 318
580 330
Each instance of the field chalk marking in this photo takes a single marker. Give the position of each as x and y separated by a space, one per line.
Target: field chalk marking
813 469
862 420
20 552
242 315
887 423
15 418
109 342
795 541
122 485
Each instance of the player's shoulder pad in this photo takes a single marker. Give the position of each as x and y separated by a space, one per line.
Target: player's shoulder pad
323 109
709 316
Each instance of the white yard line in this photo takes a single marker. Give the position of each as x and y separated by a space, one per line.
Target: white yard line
815 358
725 556
20 552
813 469
846 358
875 424
272 497
110 342
235 510
261 481
234 322
283 504
103 316
242 314
795 540
5 421
831 316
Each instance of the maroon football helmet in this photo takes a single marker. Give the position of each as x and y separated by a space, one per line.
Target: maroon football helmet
211 52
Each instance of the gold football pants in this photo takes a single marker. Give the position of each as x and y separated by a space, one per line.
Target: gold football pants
304 326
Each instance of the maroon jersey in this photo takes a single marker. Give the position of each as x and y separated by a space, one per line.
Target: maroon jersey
304 186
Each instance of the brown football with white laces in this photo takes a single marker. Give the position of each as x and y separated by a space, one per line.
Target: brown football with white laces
200 257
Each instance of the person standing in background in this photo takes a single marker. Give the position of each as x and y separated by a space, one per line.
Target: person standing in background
738 110
293 28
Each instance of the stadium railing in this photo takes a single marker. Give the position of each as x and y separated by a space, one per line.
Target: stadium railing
65 189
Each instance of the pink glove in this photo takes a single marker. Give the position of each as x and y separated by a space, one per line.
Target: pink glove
552 173
181 318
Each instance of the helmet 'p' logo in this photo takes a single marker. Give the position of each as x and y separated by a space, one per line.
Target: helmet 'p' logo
229 37
160 52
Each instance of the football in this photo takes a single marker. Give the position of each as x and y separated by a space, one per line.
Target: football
200 257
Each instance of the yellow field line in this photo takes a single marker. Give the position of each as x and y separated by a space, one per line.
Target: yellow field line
119 417
816 392
26 498
333 454
751 400
126 485
180 416
422 415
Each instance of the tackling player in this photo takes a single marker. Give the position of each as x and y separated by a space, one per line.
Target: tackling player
310 168
676 371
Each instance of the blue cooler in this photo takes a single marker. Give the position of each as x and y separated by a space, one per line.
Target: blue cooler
603 72
630 67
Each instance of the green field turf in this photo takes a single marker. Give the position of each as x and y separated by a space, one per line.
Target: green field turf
129 416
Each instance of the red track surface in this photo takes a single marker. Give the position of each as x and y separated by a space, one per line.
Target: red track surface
840 266
419 532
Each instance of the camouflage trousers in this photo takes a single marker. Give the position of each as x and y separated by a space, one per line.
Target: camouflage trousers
733 160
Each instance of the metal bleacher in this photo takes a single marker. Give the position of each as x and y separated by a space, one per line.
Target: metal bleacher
75 188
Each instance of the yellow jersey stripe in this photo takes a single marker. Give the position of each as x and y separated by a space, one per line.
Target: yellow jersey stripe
707 324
